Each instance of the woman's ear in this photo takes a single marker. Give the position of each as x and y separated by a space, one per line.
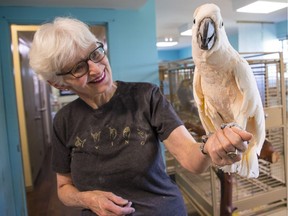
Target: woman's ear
58 86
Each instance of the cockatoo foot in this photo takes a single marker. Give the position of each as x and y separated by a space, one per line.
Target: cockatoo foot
230 125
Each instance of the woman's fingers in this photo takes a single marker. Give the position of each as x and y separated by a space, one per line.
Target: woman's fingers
107 203
226 145
238 138
119 206
245 135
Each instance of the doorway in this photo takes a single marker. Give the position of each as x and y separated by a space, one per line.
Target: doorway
33 105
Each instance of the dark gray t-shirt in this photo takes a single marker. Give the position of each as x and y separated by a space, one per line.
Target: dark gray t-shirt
116 148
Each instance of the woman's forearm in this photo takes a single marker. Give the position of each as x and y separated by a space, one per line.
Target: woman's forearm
71 196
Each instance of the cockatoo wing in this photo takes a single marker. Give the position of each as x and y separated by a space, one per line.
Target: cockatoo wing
251 114
200 103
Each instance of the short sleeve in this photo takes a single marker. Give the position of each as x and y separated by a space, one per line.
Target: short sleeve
163 116
61 154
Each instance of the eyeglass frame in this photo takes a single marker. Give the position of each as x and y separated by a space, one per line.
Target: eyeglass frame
101 46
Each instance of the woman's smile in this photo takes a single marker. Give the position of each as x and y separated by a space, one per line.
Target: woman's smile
99 78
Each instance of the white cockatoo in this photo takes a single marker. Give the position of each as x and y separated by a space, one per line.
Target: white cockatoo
225 88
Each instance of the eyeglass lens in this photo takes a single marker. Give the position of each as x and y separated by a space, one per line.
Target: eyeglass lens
82 67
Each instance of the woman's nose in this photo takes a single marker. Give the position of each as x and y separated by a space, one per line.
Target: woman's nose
93 66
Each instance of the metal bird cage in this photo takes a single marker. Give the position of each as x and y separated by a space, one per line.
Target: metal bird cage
265 195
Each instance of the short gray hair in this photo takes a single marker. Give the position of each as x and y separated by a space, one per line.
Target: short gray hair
57 43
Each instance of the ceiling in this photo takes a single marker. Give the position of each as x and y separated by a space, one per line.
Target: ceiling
170 14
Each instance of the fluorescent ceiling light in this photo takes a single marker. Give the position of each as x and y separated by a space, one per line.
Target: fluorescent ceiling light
188 32
185 29
262 7
166 42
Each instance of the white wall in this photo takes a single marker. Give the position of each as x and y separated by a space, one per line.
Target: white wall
258 37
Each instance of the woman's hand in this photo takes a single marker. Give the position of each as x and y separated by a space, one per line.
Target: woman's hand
224 141
100 202
106 203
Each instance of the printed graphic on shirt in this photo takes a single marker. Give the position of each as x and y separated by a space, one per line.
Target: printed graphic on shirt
126 134
110 135
113 135
79 142
96 138
142 135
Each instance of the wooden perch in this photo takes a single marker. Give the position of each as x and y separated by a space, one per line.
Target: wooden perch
226 184
196 128
268 153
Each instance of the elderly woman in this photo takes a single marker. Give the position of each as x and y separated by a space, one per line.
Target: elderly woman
106 143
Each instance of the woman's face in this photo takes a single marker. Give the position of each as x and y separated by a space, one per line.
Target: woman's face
97 81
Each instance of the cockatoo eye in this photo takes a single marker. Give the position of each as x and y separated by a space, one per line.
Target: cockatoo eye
194 21
222 24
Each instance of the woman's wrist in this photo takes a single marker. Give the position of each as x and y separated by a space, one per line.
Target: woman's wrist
204 139
82 199
202 148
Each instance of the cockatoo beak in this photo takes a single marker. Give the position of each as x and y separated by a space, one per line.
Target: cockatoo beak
206 36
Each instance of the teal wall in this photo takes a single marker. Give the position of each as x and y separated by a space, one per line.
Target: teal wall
12 196
185 53
168 55
233 39
133 57
176 54
282 29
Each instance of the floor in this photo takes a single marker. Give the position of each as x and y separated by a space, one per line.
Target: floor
43 200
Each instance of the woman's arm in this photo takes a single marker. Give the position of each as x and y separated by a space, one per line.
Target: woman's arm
187 151
100 202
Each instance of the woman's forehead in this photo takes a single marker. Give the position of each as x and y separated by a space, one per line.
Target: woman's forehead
79 55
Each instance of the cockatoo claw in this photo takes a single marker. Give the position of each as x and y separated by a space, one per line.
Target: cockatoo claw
230 125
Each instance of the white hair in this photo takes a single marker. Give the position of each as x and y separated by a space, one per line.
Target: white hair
56 44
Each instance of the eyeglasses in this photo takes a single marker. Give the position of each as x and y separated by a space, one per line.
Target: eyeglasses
82 67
